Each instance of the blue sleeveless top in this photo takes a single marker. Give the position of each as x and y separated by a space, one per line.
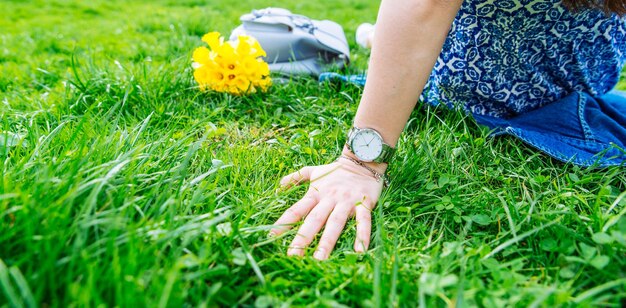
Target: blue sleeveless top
503 58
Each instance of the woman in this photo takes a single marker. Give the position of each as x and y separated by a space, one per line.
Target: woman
537 69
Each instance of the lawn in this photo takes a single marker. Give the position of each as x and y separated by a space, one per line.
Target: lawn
129 187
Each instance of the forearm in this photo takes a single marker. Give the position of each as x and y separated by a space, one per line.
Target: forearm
409 38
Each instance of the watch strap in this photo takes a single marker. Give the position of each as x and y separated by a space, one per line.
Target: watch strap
386 154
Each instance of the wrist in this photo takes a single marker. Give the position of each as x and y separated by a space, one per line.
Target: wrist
379 167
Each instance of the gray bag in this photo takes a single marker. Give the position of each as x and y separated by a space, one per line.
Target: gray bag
296 44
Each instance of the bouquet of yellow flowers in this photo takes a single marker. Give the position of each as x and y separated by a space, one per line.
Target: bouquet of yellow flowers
232 67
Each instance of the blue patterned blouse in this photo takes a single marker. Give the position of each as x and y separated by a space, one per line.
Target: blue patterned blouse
507 57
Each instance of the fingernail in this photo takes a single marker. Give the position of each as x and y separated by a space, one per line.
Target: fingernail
320 255
271 234
359 247
293 252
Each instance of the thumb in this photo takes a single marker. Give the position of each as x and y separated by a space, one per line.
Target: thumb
296 178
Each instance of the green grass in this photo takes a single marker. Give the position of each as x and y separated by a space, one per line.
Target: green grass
129 187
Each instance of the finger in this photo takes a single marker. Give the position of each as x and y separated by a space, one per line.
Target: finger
312 225
335 224
293 214
363 226
298 177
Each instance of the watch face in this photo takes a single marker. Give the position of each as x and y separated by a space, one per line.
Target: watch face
367 145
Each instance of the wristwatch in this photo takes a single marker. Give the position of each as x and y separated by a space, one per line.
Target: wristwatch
368 146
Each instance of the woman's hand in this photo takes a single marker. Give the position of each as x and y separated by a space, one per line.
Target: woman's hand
337 192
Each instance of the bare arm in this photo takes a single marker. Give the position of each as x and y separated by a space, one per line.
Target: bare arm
409 37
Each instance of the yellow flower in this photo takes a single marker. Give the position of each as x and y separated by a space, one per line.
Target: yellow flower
201 74
258 50
243 45
241 84
229 64
213 39
264 68
264 83
217 76
201 55
232 67
250 67
226 51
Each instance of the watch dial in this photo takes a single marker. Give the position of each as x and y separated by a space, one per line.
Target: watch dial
367 145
